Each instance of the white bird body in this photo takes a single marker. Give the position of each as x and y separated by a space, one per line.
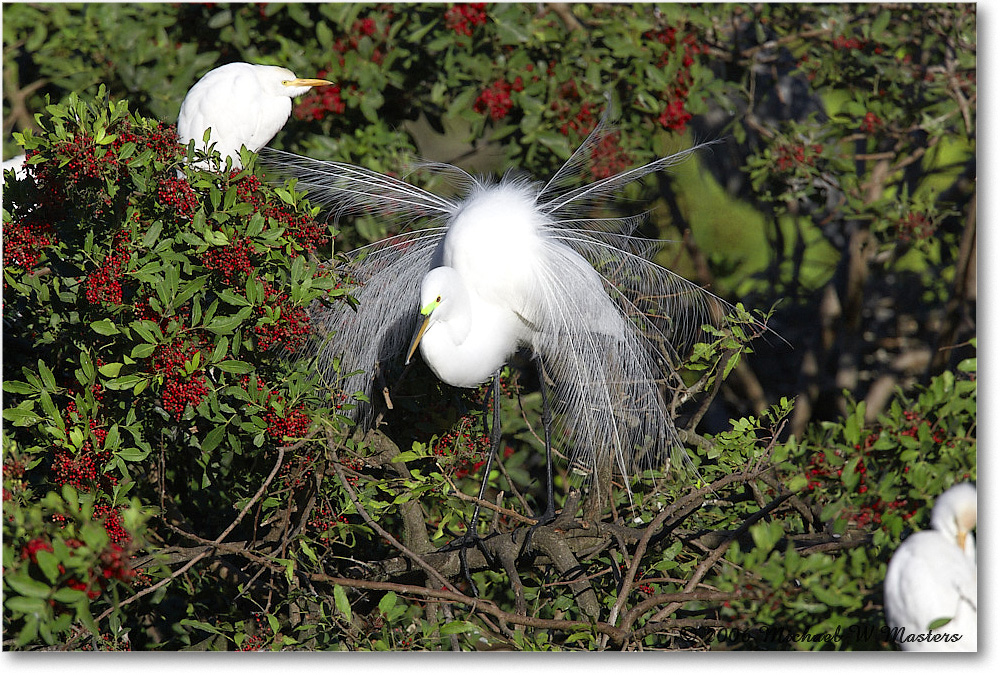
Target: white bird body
490 289
515 264
933 576
242 104
467 339
17 165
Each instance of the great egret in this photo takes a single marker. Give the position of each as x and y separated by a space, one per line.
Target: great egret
932 577
243 104
512 264
17 165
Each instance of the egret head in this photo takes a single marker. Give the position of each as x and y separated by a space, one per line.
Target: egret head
282 82
440 290
954 512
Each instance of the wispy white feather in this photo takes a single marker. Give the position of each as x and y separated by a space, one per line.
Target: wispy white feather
606 322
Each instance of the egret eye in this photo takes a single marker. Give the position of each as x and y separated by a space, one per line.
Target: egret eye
437 299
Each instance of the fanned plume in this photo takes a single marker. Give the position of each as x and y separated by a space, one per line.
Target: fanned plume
607 323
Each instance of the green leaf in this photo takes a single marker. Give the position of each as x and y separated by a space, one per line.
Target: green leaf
340 599
20 417
26 605
455 627
387 602
27 586
213 438
49 564
231 366
122 383
105 327
110 369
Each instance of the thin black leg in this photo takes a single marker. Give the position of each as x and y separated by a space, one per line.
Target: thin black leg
550 504
471 536
494 442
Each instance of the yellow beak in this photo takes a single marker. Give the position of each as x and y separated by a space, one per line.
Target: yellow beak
305 82
416 338
961 539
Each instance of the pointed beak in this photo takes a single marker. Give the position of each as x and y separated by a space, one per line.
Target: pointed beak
416 338
305 82
961 539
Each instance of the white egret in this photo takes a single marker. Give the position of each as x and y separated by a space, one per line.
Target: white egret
242 104
514 264
17 165
932 577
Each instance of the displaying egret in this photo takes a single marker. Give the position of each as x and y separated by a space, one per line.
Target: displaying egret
511 264
932 578
243 104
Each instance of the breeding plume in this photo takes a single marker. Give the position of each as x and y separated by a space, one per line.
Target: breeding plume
932 578
243 104
513 264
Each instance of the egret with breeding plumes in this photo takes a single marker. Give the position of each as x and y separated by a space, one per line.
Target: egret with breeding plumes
242 104
514 264
932 579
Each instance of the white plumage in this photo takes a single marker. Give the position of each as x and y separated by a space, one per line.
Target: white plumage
17 165
932 576
243 104
516 264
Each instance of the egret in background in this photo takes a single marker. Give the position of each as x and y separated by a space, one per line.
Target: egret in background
17 165
243 104
932 577
515 264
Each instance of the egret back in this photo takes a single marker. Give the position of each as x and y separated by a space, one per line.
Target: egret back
930 578
239 110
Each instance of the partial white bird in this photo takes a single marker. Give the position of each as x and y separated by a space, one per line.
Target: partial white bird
243 104
932 577
17 165
517 264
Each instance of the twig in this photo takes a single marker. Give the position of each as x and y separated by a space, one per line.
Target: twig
190 564
378 528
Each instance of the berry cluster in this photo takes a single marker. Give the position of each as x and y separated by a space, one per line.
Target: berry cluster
104 283
305 231
915 226
579 123
495 99
83 470
111 564
675 115
180 389
291 423
178 195
291 328
608 157
790 157
294 424
462 17
361 29
846 43
319 102
113 524
870 123
233 262
323 520
24 238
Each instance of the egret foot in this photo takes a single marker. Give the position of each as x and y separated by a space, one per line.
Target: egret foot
470 539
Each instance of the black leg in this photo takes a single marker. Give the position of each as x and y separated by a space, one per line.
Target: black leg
471 536
494 443
550 506
549 514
